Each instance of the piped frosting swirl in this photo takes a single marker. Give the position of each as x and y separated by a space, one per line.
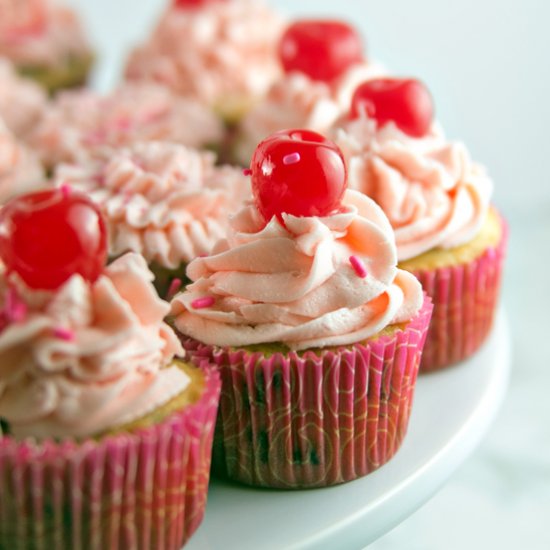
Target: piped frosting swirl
20 170
84 124
229 51
299 283
297 101
86 357
431 191
162 200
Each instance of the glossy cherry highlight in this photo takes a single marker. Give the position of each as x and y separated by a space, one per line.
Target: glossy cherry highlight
323 50
48 236
297 172
406 102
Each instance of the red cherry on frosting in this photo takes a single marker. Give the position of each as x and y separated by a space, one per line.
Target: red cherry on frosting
323 50
47 236
406 102
297 172
192 4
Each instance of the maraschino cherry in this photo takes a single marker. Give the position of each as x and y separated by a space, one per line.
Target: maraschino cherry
47 236
193 4
406 102
297 172
323 50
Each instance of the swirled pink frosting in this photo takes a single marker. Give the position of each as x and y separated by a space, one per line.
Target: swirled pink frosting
295 284
431 191
217 52
22 102
84 124
297 101
20 170
39 32
87 357
163 200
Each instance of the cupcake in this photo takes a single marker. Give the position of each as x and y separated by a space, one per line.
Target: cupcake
82 125
438 202
22 102
164 201
220 52
20 169
106 434
316 334
45 42
323 62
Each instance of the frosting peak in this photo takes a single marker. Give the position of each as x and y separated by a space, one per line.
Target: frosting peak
22 102
20 170
163 200
35 32
85 358
295 283
431 191
297 101
229 51
84 124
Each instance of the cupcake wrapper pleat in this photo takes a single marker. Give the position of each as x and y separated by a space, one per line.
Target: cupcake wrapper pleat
318 418
141 490
465 299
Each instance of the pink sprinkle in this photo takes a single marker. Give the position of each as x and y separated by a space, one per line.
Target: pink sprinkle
15 309
491 254
293 158
63 334
358 266
202 303
65 190
175 285
247 172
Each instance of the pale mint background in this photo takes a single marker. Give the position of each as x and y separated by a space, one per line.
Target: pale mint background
487 63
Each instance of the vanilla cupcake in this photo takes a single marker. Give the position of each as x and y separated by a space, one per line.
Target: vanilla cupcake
323 63
316 333
83 125
438 202
93 399
167 202
220 52
20 169
45 42
22 102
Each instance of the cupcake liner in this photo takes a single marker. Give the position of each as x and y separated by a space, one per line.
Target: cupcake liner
145 489
465 299
316 418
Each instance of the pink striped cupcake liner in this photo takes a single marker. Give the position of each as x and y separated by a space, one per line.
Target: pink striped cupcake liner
141 490
465 299
317 418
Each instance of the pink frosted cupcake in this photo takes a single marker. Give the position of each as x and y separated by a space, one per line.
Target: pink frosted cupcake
106 436
20 169
162 200
221 52
84 124
22 102
315 332
438 202
323 63
45 42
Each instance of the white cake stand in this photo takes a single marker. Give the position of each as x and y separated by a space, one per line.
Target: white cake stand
452 411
